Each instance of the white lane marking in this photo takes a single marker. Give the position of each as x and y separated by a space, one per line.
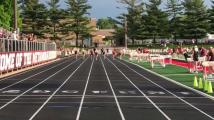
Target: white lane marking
163 113
31 76
31 118
155 92
99 91
3 106
83 96
112 89
12 91
169 92
70 91
41 91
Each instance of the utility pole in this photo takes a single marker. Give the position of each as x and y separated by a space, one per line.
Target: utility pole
14 15
126 31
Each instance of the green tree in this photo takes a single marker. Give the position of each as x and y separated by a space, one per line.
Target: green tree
34 16
174 10
119 34
54 17
211 18
196 23
134 18
78 11
105 23
5 19
156 21
6 11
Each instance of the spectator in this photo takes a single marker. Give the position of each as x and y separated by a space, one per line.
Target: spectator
14 36
185 53
202 51
210 54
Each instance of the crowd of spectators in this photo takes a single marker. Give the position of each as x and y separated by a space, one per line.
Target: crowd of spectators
6 34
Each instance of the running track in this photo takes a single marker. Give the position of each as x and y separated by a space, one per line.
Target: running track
91 89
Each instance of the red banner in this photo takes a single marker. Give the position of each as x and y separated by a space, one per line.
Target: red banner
10 61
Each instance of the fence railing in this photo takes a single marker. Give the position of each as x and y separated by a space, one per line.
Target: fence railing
10 45
18 54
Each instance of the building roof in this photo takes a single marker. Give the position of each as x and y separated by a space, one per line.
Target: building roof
104 32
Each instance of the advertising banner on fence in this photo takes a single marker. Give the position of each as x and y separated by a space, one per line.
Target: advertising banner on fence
9 61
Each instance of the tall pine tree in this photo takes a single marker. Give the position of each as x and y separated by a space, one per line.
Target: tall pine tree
34 16
196 22
211 18
78 11
174 10
134 19
156 21
54 17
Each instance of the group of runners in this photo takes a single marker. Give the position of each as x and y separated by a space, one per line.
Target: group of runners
93 53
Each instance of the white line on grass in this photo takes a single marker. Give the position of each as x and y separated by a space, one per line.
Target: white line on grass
31 118
115 97
83 96
3 106
169 92
31 76
164 114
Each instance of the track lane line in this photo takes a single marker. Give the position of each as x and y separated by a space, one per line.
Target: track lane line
83 96
32 76
163 113
115 97
51 96
201 111
3 106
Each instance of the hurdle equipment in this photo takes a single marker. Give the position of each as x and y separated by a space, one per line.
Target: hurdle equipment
157 60
200 83
195 84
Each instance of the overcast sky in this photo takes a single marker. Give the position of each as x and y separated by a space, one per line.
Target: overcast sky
108 8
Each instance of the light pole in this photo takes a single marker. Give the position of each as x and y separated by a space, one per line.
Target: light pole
126 31
14 15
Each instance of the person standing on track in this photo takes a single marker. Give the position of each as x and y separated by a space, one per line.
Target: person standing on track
195 55
83 53
96 53
103 53
210 57
107 51
76 52
91 54
113 53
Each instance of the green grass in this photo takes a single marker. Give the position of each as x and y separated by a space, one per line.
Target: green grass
173 72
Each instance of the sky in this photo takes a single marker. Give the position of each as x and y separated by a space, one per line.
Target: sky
109 8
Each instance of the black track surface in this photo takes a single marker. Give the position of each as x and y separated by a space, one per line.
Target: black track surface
103 89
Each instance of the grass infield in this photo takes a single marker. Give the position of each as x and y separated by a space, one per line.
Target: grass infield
173 72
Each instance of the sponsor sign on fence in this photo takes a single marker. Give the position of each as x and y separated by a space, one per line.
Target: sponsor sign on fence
12 60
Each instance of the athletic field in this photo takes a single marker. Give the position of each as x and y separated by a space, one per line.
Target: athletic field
103 89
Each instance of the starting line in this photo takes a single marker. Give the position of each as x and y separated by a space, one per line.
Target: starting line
98 92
